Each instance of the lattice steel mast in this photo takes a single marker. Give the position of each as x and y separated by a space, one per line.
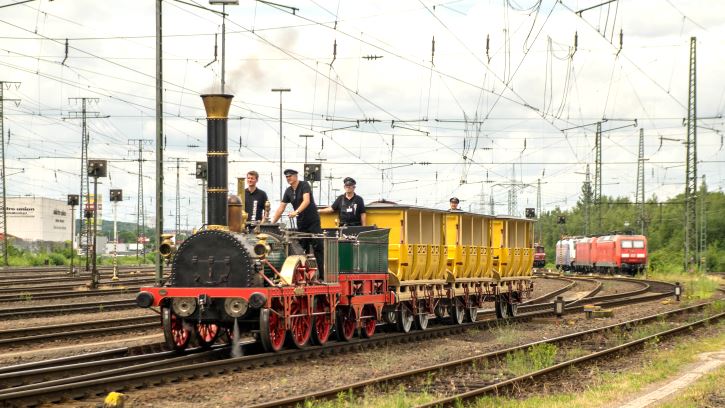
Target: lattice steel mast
691 163
639 195
598 174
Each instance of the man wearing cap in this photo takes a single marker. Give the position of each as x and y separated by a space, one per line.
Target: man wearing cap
350 206
454 204
299 194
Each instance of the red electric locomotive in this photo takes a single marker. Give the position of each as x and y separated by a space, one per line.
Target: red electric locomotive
539 256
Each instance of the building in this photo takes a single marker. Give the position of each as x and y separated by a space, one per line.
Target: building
38 219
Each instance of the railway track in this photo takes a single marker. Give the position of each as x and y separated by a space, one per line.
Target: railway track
47 310
15 337
11 274
442 382
77 385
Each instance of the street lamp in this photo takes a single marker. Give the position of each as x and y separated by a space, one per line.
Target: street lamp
281 177
73 201
96 169
116 196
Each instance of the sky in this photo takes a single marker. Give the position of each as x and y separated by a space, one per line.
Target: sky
418 101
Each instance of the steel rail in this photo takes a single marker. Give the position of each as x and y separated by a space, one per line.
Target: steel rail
397 377
456 399
91 386
26 335
550 295
104 305
37 289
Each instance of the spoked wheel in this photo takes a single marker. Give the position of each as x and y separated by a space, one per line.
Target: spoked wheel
390 316
421 318
226 335
177 336
502 308
472 313
321 323
300 326
271 330
512 309
404 318
456 311
206 334
368 323
345 323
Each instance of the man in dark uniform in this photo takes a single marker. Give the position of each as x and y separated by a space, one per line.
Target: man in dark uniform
254 198
454 204
299 194
350 206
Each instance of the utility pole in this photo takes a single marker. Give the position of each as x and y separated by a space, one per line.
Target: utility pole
639 194
491 203
538 211
691 163
281 176
85 229
177 201
159 141
587 201
140 211
3 203
703 225
598 174
201 174
512 192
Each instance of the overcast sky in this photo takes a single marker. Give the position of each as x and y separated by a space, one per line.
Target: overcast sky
504 96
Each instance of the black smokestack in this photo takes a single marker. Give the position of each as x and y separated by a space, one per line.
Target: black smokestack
217 112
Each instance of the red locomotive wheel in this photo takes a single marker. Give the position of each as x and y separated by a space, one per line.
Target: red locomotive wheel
177 336
321 323
271 330
368 323
206 334
300 325
345 323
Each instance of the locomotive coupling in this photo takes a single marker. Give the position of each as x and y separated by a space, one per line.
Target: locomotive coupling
167 247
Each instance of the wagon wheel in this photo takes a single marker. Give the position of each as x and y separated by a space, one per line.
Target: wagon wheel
177 336
404 318
206 334
421 318
502 308
512 309
345 323
300 326
321 323
271 330
456 311
368 324
390 316
472 313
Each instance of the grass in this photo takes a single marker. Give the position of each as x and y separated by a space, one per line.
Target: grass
694 285
607 389
504 334
535 358
707 391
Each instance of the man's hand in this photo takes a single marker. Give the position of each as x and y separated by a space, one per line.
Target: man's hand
292 214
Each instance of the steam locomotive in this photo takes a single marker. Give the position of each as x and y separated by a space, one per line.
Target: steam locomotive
415 264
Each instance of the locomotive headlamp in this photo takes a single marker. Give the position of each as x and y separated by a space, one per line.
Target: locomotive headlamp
184 306
236 307
262 248
167 247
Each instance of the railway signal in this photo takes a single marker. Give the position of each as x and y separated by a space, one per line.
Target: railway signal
116 196
96 169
